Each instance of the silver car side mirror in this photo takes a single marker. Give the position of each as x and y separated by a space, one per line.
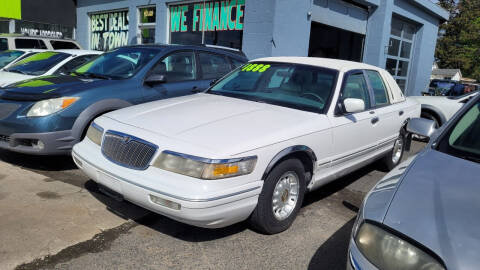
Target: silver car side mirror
353 105
421 126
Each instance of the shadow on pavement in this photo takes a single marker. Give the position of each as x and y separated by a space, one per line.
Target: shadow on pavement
162 224
332 255
123 209
43 163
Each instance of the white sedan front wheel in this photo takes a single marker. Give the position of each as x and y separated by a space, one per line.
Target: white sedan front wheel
281 197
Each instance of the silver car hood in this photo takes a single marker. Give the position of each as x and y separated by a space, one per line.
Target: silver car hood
437 204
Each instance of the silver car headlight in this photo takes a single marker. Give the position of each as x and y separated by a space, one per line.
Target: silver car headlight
387 251
208 169
50 106
95 133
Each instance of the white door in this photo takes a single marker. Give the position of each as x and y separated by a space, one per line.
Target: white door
353 133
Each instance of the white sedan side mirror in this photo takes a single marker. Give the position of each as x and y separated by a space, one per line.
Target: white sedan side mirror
353 105
421 126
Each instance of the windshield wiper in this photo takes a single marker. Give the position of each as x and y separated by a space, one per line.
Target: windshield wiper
216 93
17 71
97 76
471 158
92 75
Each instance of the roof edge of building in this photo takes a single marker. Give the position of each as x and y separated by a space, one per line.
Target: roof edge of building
433 8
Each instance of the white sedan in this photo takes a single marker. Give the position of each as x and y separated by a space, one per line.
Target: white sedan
441 108
45 63
253 144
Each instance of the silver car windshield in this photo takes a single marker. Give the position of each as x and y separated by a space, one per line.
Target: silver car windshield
462 139
290 85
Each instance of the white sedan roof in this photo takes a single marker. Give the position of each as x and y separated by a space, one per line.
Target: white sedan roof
79 52
341 65
29 50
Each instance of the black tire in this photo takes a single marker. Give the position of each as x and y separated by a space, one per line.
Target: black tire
388 161
263 218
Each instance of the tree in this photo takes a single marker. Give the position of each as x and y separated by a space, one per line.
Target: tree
459 42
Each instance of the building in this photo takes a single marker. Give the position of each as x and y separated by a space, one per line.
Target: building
399 35
446 74
47 18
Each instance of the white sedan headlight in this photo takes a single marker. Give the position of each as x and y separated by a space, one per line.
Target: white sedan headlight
95 133
49 106
387 251
208 169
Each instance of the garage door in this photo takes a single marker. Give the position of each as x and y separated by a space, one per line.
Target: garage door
399 54
330 42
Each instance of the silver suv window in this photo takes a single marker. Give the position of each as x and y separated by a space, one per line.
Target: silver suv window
60 45
29 43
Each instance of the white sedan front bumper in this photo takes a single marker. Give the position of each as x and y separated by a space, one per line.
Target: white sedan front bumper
218 209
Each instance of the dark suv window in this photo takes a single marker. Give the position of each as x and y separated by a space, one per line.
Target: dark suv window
177 67
213 65
26 43
3 44
59 45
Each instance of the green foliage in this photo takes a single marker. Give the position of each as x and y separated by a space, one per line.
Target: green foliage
459 47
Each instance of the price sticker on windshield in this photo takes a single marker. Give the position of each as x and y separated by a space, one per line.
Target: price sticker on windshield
255 68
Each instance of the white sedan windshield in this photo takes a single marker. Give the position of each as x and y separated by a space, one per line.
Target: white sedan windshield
290 85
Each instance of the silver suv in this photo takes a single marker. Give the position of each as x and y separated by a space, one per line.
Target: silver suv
16 41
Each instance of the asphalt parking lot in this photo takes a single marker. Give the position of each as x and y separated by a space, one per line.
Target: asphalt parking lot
53 217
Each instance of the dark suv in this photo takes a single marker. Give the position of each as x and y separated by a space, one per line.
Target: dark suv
48 115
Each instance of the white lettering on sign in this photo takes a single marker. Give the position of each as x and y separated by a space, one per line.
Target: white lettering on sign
109 30
41 33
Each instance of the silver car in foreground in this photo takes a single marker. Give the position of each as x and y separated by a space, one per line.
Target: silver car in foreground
425 213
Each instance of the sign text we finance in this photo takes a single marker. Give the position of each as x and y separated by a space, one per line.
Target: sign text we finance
219 16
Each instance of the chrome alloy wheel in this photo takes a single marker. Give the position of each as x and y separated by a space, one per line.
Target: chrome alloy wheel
285 195
397 150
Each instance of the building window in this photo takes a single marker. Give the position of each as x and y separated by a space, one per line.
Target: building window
109 30
215 23
399 52
4 26
146 25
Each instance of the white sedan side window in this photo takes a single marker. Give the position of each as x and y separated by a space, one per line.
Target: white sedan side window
378 87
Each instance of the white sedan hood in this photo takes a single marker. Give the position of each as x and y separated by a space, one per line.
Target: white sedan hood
7 78
219 123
